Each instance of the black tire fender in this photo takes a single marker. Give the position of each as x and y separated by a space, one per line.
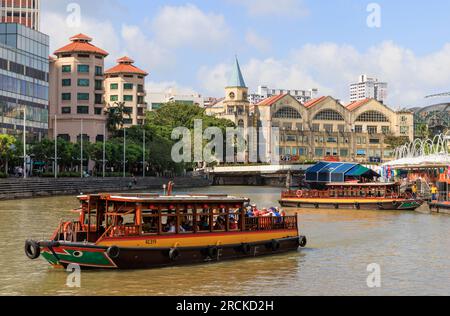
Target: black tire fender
246 248
212 252
174 254
32 249
275 245
302 241
113 252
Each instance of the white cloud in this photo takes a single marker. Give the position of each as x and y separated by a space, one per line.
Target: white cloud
332 67
260 43
285 8
188 25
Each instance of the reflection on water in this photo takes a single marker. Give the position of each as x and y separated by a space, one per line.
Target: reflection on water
413 250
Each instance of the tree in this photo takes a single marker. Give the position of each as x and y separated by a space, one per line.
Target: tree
116 116
7 148
396 141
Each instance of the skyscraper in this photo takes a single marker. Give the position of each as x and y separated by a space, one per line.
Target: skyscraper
24 75
368 88
25 12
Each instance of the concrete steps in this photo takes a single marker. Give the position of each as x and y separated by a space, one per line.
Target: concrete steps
36 187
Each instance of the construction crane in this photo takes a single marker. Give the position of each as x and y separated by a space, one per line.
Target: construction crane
445 94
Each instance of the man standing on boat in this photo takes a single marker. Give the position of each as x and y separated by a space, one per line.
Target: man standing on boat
434 193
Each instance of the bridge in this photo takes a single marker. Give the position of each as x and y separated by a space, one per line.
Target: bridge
277 175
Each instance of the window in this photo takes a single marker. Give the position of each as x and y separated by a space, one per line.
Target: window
372 116
82 109
287 126
287 113
358 129
83 82
98 71
128 86
114 98
66 82
299 126
67 68
232 95
344 153
86 138
66 96
98 99
140 88
374 141
64 137
128 98
404 130
328 128
328 115
372 129
98 111
291 138
98 85
114 86
99 138
83 97
361 152
385 129
315 127
66 110
341 128
301 151
332 140
83 68
319 152
127 121
128 110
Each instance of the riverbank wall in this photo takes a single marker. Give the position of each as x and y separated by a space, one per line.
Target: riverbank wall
11 189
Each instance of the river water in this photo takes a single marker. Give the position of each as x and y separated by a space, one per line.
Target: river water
411 248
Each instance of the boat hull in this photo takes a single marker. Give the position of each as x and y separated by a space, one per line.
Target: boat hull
100 257
352 204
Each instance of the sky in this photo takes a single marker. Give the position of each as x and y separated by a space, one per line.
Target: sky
287 44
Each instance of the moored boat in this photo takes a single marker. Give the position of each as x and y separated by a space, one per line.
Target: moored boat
360 196
116 231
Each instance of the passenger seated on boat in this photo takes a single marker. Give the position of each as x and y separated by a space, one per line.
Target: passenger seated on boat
220 225
249 212
204 225
233 224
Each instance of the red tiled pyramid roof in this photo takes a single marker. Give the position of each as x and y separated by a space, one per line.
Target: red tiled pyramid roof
125 66
81 44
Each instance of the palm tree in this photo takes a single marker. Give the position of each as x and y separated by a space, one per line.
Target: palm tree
116 115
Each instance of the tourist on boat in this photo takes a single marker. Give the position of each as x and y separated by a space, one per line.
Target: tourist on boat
414 191
249 212
233 224
434 193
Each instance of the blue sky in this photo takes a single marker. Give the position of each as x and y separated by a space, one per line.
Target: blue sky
190 45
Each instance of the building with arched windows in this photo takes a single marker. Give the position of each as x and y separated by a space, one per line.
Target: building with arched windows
324 128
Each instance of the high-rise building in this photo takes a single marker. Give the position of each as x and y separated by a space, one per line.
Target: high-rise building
265 92
126 83
76 91
25 12
24 72
157 99
368 88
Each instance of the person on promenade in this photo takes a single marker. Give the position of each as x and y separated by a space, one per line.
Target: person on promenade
414 191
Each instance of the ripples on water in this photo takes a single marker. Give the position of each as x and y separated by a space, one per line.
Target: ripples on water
413 250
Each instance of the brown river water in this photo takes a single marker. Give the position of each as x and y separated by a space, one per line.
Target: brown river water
412 249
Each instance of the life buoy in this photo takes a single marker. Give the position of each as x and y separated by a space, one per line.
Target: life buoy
68 231
174 254
299 194
246 248
302 241
113 252
32 249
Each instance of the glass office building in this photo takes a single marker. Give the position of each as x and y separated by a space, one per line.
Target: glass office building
24 74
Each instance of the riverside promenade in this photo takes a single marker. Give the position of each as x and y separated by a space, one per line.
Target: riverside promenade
11 189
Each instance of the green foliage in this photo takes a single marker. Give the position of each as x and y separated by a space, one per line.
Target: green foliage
7 149
396 141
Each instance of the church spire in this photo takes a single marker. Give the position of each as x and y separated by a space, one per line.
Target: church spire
237 80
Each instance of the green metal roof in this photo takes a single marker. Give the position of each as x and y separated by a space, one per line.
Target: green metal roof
237 80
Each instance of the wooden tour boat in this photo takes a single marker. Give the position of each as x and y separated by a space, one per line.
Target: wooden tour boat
116 231
366 196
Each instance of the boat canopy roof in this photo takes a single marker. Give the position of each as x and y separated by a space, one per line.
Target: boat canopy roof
350 184
155 198
329 172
